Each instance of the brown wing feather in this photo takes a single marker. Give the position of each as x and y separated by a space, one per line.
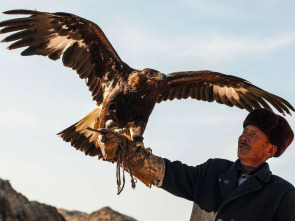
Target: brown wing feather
224 89
82 43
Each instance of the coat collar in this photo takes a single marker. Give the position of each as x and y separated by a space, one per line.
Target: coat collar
228 180
263 173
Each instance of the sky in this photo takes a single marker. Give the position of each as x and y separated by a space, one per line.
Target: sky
40 97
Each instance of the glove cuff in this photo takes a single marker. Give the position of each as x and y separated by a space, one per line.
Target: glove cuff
147 167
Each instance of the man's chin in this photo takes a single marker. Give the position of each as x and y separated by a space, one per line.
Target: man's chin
243 152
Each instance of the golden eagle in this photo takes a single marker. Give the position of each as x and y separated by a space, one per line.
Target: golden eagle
125 97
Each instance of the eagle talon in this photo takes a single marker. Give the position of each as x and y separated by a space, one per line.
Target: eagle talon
149 151
139 145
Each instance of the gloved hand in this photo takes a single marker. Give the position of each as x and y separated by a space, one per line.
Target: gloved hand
110 143
136 160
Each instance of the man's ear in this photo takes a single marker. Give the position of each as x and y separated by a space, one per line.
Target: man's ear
272 151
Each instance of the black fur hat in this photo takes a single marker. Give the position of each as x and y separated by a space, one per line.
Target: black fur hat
274 126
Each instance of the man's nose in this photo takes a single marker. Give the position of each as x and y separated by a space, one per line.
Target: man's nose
244 139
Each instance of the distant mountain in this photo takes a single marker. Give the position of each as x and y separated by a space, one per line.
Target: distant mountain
104 214
15 206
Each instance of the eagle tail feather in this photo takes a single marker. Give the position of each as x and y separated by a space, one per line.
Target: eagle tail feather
80 137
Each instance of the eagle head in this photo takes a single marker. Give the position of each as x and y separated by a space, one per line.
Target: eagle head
152 74
146 79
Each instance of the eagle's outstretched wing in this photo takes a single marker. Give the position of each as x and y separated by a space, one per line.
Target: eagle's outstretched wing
224 89
82 43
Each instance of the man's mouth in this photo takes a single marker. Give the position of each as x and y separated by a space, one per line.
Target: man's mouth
244 146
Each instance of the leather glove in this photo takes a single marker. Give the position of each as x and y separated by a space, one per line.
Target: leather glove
136 160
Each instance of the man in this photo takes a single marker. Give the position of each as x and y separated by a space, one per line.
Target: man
221 189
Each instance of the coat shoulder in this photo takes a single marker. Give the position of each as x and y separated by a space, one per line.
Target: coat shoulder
218 162
280 182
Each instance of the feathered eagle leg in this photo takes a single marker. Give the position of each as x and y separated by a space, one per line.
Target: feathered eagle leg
121 130
108 120
134 133
136 129
111 125
101 140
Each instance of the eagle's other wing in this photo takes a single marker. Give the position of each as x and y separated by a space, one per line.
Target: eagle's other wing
224 89
82 43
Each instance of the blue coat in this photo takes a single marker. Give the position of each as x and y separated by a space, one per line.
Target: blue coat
213 187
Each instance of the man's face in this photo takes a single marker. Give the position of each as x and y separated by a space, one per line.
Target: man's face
254 147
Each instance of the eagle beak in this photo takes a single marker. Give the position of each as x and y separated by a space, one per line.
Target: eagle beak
163 77
157 76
